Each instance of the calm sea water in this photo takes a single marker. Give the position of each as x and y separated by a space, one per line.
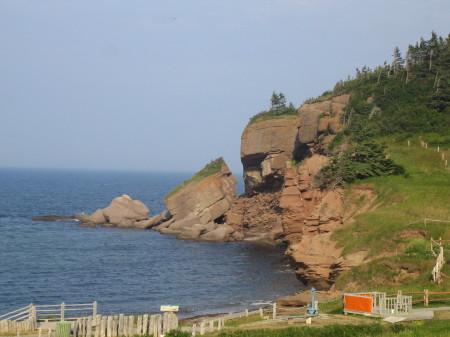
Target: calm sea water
125 270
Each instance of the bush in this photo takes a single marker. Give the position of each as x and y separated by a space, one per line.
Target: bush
177 333
418 247
360 161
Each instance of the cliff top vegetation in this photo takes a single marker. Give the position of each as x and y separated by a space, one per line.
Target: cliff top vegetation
410 94
211 168
407 96
278 109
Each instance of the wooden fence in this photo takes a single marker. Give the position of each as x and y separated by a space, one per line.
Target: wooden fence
23 319
27 318
121 325
95 325
439 150
272 312
440 262
426 296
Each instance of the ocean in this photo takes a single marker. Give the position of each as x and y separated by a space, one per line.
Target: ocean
126 270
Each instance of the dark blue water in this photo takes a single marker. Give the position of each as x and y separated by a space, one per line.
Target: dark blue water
125 270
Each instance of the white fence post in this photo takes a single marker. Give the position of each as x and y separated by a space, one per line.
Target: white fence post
62 310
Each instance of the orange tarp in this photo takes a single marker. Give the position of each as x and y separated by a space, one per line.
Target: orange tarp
357 303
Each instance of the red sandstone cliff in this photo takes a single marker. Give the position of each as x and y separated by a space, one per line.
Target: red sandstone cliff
281 202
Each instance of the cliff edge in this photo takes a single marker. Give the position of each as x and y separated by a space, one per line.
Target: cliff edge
280 159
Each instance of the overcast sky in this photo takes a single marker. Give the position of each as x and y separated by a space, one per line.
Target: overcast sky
170 85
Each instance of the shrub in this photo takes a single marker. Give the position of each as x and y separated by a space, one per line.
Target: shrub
360 161
178 333
418 247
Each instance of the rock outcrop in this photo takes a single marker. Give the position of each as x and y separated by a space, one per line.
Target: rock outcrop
123 212
198 208
281 202
267 147
318 117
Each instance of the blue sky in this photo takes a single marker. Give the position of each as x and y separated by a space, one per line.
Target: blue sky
170 85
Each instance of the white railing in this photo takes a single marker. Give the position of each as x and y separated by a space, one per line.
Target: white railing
26 318
63 311
399 304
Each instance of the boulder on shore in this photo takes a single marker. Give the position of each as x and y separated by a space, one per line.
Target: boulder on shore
123 212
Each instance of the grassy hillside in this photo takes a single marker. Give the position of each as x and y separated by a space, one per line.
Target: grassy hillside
397 244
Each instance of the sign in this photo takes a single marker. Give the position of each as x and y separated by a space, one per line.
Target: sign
169 308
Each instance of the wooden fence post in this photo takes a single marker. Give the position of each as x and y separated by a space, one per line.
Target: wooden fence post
425 297
274 310
109 327
261 312
103 327
120 329
158 325
139 325
98 319
144 324
89 326
94 308
63 305
194 329
130 326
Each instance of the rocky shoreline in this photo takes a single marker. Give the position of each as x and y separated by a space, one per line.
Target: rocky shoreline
281 204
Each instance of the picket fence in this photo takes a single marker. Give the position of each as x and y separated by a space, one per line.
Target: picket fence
121 325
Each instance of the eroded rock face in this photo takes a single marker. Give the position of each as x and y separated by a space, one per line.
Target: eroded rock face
318 117
265 148
197 209
257 216
269 146
206 200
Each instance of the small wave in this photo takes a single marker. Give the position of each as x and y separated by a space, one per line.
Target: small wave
262 303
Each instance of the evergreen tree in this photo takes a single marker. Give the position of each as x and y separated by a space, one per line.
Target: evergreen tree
277 101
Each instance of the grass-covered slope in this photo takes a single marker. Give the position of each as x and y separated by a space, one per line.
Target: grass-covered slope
397 244
211 168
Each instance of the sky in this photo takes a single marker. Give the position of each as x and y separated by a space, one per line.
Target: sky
170 85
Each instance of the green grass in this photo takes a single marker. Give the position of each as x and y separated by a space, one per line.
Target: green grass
423 192
212 168
281 113
243 320
270 117
435 328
